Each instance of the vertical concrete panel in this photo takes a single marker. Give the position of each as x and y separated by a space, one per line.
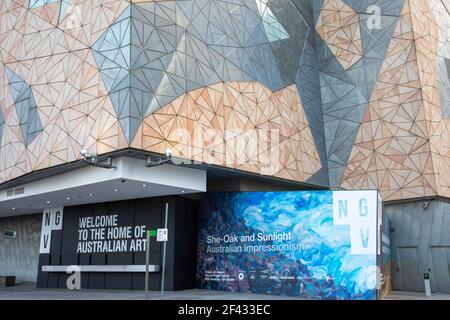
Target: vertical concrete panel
441 270
435 236
409 266
445 230
426 217
420 244
448 269
415 225
20 256
395 216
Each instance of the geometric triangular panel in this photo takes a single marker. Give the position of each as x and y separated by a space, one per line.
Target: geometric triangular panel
26 108
273 27
40 3
2 124
64 6
112 55
338 26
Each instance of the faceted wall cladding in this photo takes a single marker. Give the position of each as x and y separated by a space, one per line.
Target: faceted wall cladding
402 146
2 123
338 26
156 51
357 104
346 88
112 55
91 74
274 30
385 107
53 99
215 115
26 108
391 149
442 18
429 55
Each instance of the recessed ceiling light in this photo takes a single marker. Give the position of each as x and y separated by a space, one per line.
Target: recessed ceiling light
48 202
14 208
182 191
115 190
144 185
68 198
91 194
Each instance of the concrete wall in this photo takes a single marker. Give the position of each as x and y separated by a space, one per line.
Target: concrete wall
19 257
420 244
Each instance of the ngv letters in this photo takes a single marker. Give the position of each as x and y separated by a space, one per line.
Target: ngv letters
358 209
52 219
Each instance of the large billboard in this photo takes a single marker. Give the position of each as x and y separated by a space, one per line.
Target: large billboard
312 245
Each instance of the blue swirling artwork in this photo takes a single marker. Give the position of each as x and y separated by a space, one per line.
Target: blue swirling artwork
312 260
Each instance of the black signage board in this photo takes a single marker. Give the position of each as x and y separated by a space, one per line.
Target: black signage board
114 234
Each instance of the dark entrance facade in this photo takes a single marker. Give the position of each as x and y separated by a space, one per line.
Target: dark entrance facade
108 240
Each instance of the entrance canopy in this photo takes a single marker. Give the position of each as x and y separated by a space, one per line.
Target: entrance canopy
131 179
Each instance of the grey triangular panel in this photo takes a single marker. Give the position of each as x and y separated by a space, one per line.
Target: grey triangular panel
25 104
2 124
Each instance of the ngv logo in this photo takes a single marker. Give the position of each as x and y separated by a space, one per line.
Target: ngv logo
52 219
358 209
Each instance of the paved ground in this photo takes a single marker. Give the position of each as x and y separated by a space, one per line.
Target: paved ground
401 295
31 293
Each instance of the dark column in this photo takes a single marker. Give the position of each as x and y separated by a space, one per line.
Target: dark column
148 212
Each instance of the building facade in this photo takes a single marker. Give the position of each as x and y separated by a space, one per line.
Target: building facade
243 95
